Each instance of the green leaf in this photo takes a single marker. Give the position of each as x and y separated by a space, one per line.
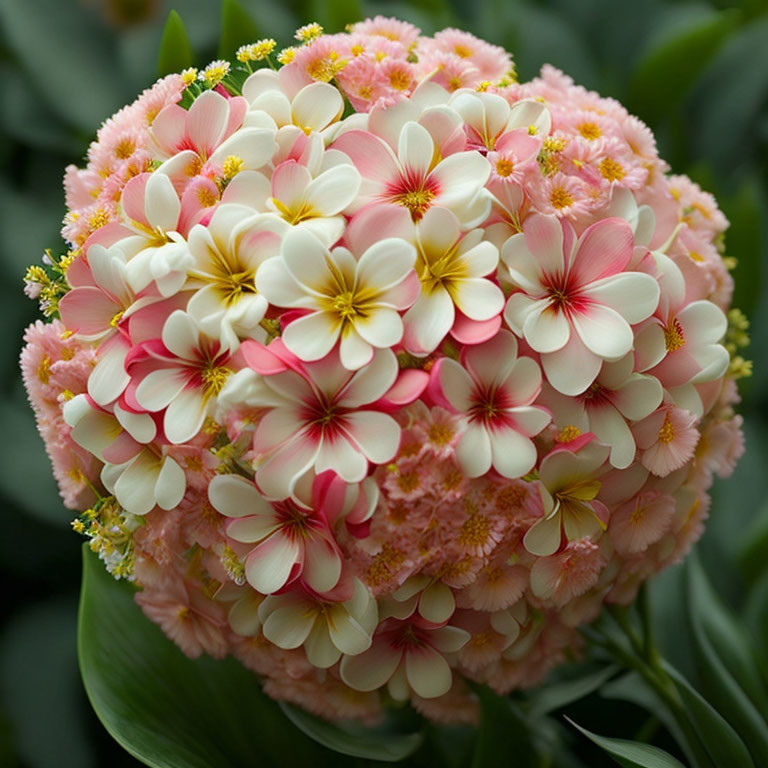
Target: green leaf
385 742
631 754
721 741
335 16
554 697
175 50
722 689
666 73
504 737
237 28
723 631
167 710
632 688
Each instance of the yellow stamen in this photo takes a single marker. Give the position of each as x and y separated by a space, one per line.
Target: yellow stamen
590 131
560 198
611 170
568 433
667 431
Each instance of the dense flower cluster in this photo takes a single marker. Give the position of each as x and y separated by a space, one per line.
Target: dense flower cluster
381 371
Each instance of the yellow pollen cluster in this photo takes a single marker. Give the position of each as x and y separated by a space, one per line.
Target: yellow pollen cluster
286 55
590 131
98 219
188 76
408 482
384 565
344 304
611 170
232 166
417 201
667 431
504 167
560 198
673 335
462 51
308 32
483 86
440 434
568 433
214 73
475 531
257 51
44 370
357 50
325 69
400 80
206 197
214 377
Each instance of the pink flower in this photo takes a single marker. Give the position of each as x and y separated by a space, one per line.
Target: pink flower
291 542
667 439
641 522
559 578
317 418
405 655
575 302
416 177
178 375
494 389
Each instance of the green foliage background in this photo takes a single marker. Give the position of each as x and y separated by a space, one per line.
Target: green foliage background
696 72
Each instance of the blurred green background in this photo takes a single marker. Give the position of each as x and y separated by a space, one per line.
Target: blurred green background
696 72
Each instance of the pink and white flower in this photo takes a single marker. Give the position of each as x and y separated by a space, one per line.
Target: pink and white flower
405 656
494 389
291 542
575 301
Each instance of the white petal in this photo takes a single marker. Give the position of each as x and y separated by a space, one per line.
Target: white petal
161 203
171 484
474 451
234 496
428 672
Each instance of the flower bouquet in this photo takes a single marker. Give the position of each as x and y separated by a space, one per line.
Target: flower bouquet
380 371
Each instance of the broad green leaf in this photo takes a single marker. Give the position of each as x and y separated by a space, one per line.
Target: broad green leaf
237 28
721 741
386 742
724 633
550 698
754 551
756 616
504 737
666 73
335 16
631 754
167 710
175 51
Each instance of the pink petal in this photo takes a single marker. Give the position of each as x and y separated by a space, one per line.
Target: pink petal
605 248
206 122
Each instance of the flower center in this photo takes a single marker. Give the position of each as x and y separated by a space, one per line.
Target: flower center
344 304
667 431
560 198
611 170
673 335
589 131
504 167
214 377
417 201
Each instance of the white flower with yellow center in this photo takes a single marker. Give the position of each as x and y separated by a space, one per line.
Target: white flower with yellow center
453 270
357 301
227 254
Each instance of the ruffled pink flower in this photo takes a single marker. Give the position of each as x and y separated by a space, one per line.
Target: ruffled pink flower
641 522
666 439
559 578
